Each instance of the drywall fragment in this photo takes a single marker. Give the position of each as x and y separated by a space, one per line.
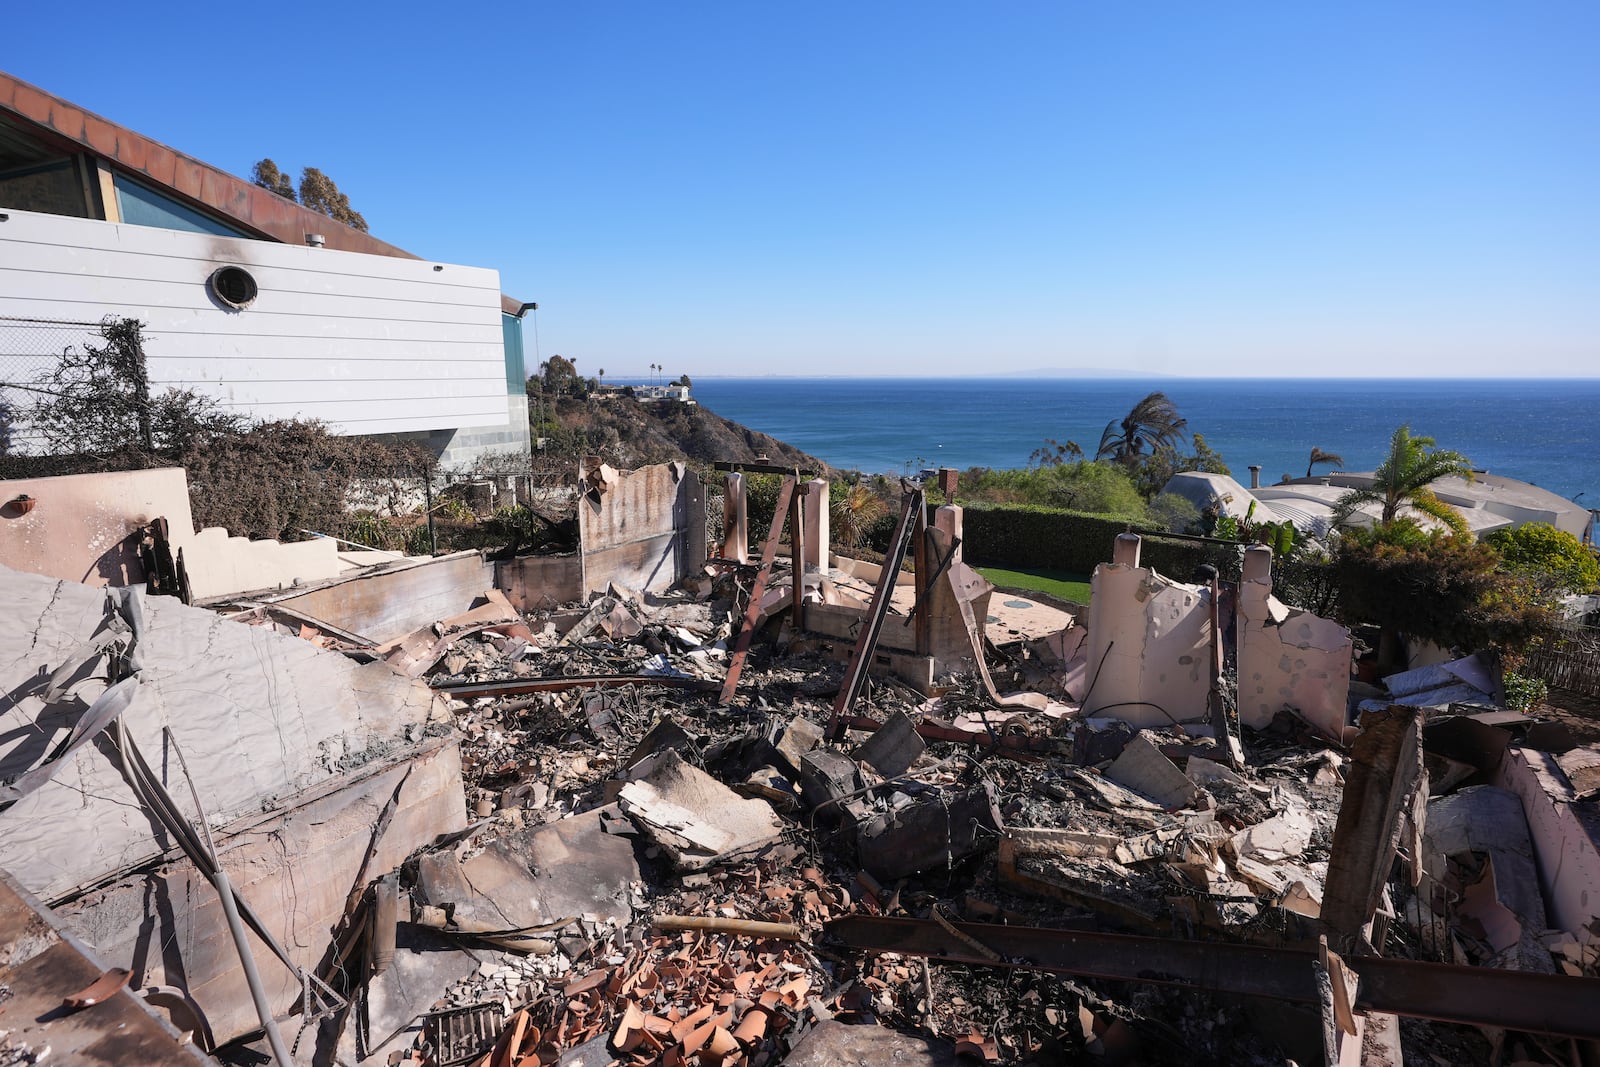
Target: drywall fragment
1273 840
893 747
568 868
1144 769
1200 770
935 831
696 818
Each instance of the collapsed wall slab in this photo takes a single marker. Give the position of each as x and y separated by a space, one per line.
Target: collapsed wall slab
260 716
389 602
296 866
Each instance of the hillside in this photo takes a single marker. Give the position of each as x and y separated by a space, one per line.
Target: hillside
632 434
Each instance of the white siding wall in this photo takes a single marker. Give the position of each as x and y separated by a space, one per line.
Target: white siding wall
367 344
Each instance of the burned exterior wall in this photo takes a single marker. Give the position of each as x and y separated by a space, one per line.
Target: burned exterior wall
393 601
1288 657
1149 644
85 528
1566 839
643 529
260 716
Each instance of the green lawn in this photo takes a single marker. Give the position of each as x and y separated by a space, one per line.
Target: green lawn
1063 584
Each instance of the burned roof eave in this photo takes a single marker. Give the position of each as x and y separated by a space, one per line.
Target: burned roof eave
205 186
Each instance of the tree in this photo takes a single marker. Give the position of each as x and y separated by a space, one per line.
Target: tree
1403 478
319 193
1555 561
1438 586
1319 456
1054 453
1153 422
854 511
683 380
1152 473
267 175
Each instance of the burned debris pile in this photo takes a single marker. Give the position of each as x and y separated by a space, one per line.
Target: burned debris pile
736 809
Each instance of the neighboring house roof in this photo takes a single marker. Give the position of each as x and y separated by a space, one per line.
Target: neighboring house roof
1213 491
243 202
1488 501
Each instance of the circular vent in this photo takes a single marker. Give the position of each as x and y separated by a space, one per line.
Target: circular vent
233 286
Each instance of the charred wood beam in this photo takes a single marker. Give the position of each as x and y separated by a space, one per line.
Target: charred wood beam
1382 782
519 686
747 627
1476 996
763 468
861 656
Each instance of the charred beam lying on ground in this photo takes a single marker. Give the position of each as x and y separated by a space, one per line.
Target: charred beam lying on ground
1478 996
520 686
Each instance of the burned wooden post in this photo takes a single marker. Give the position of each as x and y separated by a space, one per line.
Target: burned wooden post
752 611
861 657
797 554
1383 779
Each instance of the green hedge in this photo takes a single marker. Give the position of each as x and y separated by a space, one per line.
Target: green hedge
1027 536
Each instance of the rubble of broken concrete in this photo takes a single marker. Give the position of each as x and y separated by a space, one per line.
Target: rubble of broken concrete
788 809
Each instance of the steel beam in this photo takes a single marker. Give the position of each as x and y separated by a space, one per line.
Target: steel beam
1479 996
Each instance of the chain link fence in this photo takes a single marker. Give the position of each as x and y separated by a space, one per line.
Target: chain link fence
29 350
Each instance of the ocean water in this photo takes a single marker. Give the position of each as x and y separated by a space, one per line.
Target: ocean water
1542 431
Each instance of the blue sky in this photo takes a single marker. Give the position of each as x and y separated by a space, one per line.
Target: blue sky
925 188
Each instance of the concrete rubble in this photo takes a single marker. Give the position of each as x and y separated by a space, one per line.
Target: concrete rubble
663 819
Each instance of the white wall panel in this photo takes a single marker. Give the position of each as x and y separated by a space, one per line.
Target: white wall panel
367 344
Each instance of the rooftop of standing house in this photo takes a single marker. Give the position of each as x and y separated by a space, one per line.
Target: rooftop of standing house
1488 501
39 129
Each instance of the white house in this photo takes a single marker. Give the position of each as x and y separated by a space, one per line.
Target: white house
275 310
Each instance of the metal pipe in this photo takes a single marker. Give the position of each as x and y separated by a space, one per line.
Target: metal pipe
252 977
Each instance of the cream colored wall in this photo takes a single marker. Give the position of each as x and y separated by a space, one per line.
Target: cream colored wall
1288 657
1149 643
83 528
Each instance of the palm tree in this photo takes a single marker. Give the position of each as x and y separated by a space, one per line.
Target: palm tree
1403 478
1154 421
1319 456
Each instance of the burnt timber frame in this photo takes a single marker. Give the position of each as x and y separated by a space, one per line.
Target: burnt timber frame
1477 996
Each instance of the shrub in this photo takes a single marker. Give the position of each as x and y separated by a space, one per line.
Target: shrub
1523 692
1556 561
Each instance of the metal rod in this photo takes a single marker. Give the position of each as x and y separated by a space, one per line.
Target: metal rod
230 908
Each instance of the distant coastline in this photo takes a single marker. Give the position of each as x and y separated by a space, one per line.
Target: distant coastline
1541 430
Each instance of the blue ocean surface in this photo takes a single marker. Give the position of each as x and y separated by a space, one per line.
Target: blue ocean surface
1542 431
